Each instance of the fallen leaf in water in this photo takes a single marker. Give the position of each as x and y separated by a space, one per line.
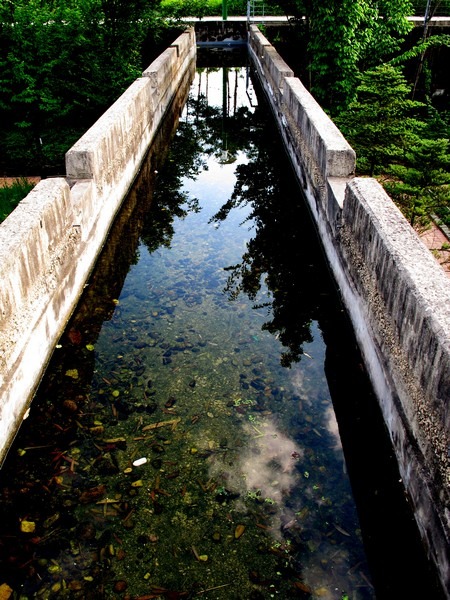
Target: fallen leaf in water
239 531
303 587
5 591
173 423
92 494
75 336
27 526
73 373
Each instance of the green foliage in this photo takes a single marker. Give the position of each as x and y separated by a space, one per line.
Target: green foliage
381 120
345 37
434 41
383 127
201 8
11 195
421 184
62 63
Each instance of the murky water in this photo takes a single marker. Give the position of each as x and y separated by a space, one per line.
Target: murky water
184 442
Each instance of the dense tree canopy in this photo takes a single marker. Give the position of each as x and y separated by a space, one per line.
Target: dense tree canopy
420 185
393 138
61 64
355 60
345 37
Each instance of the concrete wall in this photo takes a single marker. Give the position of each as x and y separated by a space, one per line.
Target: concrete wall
49 244
397 295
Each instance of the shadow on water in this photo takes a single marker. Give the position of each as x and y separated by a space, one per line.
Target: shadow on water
210 342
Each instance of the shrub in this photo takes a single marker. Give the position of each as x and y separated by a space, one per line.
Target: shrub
11 195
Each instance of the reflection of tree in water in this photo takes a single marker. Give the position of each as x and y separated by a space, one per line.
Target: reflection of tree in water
169 201
199 136
282 253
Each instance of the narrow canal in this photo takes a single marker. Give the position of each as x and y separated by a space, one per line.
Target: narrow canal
206 428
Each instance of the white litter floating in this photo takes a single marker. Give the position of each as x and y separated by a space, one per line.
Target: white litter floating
139 461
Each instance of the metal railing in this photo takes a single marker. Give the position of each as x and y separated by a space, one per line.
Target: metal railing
255 8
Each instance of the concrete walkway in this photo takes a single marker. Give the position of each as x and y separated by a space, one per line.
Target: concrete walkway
434 239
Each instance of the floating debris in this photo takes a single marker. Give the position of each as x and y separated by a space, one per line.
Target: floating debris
70 406
5 591
139 461
341 530
120 586
73 373
171 423
92 494
27 526
302 587
239 531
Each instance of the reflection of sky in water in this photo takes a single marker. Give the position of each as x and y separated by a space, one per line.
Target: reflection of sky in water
209 83
266 466
213 186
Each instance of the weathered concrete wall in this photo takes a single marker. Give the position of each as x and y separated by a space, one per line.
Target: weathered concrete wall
397 295
49 244
406 303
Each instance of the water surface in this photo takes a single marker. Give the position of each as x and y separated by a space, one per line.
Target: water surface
184 441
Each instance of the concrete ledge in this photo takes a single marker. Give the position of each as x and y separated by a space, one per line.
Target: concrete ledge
321 157
29 238
37 245
404 290
411 283
115 144
277 68
160 72
107 146
184 42
258 41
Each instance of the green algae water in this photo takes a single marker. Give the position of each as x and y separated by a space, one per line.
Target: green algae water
184 441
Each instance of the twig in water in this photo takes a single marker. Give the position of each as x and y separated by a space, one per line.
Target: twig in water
217 587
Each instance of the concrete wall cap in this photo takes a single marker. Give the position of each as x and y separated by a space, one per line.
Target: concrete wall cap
403 242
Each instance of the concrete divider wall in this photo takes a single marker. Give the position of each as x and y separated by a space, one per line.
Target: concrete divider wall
397 296
50 243
415 300
406 303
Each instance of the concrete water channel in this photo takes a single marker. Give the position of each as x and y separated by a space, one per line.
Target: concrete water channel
206 427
